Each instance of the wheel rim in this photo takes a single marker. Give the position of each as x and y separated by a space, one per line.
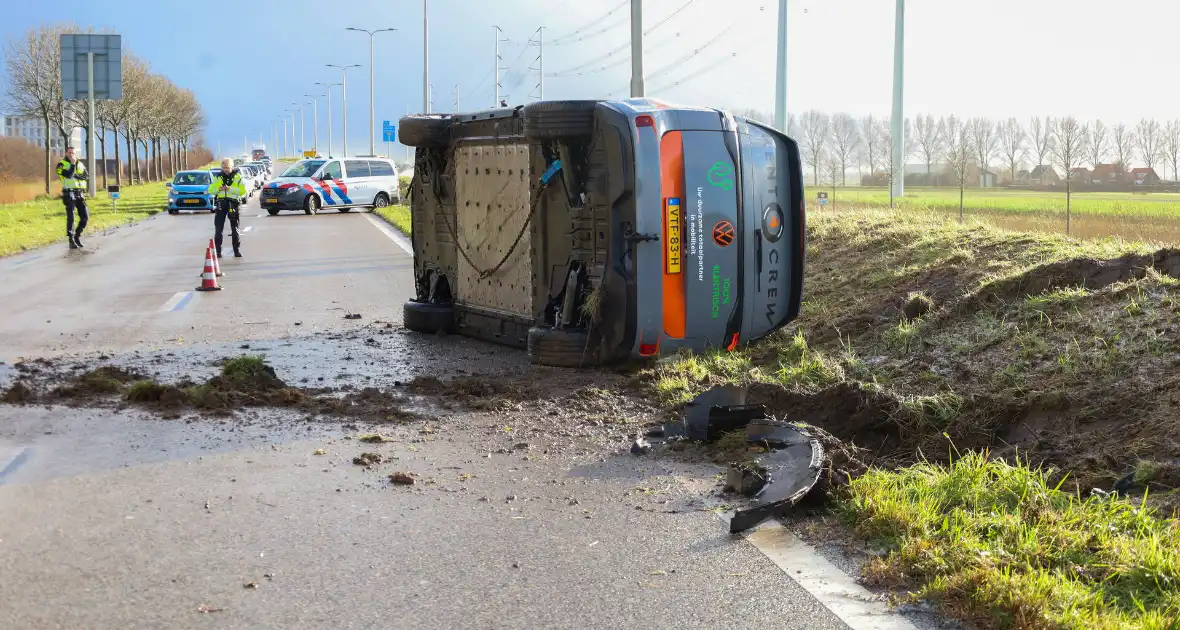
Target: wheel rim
313 203
381 202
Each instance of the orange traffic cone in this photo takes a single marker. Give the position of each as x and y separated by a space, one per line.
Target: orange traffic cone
216 263
208 276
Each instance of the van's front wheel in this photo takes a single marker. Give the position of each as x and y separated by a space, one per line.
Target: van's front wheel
560 347
425 317
311 205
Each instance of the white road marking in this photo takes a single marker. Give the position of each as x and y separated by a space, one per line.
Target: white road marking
830 586
393 234
175 301
247 229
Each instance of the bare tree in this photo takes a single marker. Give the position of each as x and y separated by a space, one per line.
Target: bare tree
32 63
1124 142
869 141
1149 137
844 141
928 137
957 153
1040 132
893 170
1069 149
1172 146
815 131
1099 143
834 169
1012 143
983 143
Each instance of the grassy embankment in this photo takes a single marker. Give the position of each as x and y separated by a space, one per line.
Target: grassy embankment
399 216
31 224
994 378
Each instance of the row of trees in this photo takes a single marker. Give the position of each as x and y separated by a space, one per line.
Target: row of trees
158 122
839 141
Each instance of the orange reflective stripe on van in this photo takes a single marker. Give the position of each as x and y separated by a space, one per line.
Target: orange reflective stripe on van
672 189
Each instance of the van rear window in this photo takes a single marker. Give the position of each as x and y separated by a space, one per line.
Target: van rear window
381 169
357 168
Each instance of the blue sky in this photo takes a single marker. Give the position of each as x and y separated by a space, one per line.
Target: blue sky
1001 58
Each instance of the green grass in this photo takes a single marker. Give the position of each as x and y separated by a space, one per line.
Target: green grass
1150 205
1002 546
398 216
35 223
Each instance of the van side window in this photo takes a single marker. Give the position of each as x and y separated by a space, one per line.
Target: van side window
381 169
331 171
356 168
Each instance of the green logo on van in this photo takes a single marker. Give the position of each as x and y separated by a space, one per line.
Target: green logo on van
721 175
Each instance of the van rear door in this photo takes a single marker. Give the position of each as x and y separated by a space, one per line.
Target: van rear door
772 188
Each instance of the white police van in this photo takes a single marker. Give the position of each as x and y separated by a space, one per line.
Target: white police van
333 184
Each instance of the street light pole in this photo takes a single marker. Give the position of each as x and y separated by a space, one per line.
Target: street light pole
372 85
897 166
315 121
636 48
302 135
328 96
344 99
425 57
780 87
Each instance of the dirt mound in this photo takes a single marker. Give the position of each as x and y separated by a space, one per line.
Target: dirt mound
850 412
102 381
475 392
19 394
1087 273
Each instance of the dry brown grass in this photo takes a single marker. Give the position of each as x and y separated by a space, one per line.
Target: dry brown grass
18 191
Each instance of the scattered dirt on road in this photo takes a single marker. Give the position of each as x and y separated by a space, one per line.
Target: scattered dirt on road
18 394
402 478
100 381
368 460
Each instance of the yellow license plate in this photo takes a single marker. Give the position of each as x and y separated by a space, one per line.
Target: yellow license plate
672 249
270 200
192 201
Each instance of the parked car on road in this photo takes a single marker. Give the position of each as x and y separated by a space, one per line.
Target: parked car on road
188 190
342 185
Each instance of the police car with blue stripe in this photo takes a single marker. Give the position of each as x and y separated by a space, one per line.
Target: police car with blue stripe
333 184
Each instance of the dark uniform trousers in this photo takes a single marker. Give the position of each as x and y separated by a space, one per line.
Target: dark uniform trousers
226 208
75 199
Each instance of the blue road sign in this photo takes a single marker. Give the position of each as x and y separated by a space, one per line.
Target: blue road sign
388 132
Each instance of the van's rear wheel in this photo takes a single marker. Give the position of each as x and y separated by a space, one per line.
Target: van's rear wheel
559 120
560 347
381 201
425 317
427 132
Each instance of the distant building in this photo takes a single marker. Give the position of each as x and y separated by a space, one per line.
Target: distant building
32 130
1144 176
988 179
1080 175
1109 174
1044 175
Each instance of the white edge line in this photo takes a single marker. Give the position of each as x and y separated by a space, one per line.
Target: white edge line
831 587
247 229
173 301
393 234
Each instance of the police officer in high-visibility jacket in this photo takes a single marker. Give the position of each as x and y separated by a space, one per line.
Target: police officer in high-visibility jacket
227 189
73 184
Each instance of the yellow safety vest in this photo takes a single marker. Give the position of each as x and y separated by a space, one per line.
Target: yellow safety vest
236 187
69 175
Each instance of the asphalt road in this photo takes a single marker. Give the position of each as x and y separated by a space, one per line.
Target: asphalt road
114 519
133 286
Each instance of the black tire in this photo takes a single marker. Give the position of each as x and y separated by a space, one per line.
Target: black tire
343 209
565 347
559 120
428 318
274 212
381 200
428 132
174 212
311 205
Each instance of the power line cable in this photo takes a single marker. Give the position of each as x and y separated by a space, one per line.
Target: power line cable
577 70
689 56
609 27
591 24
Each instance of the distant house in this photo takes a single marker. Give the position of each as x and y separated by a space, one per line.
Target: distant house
1080 175
1044 175
988 179
1144 176
1022 176
1109 174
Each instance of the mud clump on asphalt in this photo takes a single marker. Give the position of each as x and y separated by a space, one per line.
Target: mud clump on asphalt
472 392
368 460
99 382
402 479
19 394
151 392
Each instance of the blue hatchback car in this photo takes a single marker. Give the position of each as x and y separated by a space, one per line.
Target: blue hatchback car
189 190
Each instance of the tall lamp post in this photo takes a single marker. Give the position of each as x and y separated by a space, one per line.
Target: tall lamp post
302 135
372 85
294 150
344 98
315 120
328 96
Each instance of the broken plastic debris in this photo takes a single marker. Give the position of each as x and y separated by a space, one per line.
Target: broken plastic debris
640 446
